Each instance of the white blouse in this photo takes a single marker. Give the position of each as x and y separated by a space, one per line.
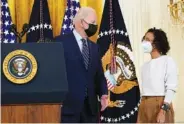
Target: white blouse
159 78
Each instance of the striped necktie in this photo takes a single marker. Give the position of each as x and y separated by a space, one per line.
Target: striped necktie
85 53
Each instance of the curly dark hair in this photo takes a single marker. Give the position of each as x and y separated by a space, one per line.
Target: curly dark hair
160 40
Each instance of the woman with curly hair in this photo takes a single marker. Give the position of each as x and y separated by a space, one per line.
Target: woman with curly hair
159 80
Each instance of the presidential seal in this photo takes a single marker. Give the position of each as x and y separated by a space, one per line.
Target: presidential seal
125 78
20 67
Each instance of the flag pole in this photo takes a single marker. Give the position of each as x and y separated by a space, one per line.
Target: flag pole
113 69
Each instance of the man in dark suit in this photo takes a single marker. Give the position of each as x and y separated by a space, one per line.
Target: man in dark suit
84 71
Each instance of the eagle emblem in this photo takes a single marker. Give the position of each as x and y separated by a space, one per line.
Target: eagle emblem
125 77
20 66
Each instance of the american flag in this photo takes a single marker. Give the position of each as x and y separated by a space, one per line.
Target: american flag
111 82
110 85
71 9
6 22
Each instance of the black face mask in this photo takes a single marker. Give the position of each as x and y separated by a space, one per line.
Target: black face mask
91 30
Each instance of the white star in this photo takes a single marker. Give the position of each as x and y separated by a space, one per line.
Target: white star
7 14
71 8
123 117
45 25
71 17
77 9
50 26
127 115
132 112
6 23
65 18
12 41
116 120
75 0
109 120
119 119
41 26
64 27
2 13
106 33
101 34
6 5
126 34
102 118
135 108
33 28
117 31
71 27
5 41
37 26
6 32
12 34
122 32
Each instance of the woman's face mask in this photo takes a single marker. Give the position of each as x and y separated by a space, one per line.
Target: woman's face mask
147 46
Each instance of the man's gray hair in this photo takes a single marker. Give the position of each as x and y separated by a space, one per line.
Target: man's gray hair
82 13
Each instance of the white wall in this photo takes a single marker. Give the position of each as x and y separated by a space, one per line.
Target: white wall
140 15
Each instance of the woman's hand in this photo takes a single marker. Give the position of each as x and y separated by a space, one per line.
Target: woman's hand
161 116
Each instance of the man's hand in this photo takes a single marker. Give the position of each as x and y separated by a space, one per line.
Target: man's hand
161 116
104 102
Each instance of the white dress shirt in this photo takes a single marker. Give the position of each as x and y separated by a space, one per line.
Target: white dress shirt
159 78
78 38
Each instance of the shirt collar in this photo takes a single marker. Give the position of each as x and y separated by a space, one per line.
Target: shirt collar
77 35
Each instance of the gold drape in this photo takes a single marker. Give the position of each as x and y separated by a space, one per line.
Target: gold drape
21 10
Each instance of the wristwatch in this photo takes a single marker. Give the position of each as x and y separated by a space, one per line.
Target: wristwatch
165 107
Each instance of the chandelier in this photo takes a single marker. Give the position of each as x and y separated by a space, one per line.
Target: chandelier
176 10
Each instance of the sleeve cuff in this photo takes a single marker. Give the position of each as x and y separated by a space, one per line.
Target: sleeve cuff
169 96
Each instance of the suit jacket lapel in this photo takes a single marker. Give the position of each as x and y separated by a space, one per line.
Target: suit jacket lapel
77 52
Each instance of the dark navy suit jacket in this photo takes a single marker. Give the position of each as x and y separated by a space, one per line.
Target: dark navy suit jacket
78 76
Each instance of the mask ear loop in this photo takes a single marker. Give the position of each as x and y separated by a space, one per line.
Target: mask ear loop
85 21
